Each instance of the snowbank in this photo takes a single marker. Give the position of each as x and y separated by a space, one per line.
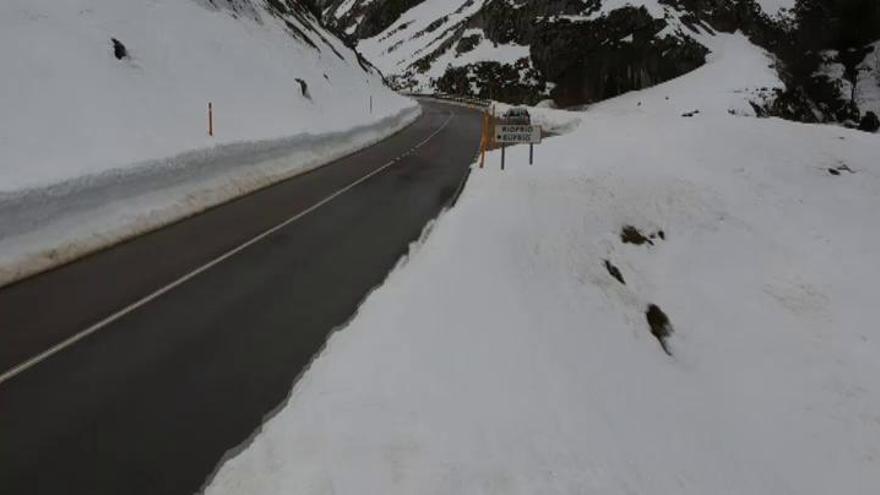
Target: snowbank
46 227
69 108
551 120
502 356
95 148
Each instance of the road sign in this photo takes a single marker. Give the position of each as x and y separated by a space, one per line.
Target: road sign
516 133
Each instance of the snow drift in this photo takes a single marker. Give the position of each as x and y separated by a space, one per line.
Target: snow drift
504 356
99 142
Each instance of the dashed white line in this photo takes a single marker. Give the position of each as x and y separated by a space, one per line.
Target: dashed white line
183 279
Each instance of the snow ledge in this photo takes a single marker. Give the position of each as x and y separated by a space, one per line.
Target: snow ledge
49 226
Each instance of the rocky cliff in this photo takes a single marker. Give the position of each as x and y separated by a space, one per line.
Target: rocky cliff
581 51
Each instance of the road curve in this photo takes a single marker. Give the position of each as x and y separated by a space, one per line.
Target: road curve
168 350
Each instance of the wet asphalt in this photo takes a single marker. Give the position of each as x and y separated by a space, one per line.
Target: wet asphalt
152 401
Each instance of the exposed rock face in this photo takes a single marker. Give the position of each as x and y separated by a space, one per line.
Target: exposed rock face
593 60
517 50
824 52
821 46
358 20
504 24
517 82
580 51
870 122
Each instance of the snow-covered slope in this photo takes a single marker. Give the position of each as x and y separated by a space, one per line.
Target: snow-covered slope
423 28
867 91
95 148
68 107
776 7
438 41
502 356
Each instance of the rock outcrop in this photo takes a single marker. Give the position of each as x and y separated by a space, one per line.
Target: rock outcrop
581 51
596 59
356 20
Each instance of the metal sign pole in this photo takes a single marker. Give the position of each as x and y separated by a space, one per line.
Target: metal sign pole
531 153
503 147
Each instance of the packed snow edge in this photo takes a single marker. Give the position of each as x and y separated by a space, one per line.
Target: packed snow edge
47 227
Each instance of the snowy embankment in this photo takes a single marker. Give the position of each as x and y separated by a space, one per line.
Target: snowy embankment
95 147
504 356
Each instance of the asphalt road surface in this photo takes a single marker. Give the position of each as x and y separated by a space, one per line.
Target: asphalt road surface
169 350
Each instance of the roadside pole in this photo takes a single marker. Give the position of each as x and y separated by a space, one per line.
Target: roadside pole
210 119
503 147
484 140
531 153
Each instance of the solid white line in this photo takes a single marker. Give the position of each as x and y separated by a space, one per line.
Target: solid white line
183 279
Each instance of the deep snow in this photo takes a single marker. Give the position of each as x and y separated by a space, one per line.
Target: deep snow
42 228
502 357
68 108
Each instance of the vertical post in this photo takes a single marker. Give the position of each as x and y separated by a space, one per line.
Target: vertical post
503 147
484 142
492 124
210 119
371 104
531 153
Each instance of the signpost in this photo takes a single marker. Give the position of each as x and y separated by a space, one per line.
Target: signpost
514 128
517 134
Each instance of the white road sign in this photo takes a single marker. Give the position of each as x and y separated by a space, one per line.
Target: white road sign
510 133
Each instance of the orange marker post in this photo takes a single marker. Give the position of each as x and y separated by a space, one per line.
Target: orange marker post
484 139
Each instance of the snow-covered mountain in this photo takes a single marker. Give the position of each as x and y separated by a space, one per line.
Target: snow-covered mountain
582 51
575 51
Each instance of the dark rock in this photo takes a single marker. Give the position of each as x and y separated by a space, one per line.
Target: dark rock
369 18
435 25
833 171
467 43
304 88
503 24
631 235
517 83
614 272
119 50
587 62
869 123
661 328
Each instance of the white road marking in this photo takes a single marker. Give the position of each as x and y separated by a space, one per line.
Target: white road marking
183 279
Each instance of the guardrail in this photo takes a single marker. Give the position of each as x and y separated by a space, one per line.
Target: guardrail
461 100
